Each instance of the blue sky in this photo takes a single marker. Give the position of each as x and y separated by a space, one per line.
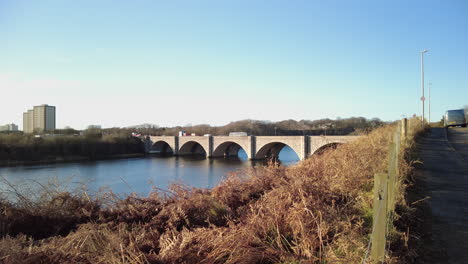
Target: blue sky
121 63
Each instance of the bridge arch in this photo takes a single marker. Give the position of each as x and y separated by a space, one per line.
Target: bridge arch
161 147
326 147
272 150
267 146
157 143
227 149
318 143
232 144
192 148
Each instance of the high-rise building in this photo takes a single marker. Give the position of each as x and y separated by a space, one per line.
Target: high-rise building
28 121
9 127
44 118
41 118
25 122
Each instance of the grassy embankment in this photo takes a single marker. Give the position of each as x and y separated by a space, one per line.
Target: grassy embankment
318 211
17 149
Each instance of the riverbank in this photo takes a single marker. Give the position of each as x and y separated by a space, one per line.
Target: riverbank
71 159
317 211
19 149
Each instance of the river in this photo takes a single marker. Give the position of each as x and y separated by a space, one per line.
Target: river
125 176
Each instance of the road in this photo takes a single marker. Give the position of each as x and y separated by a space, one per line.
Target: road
458 138
444 154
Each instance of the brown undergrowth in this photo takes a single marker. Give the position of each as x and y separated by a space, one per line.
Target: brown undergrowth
410 233
317 211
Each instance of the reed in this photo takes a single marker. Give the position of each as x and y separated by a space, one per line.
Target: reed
314 212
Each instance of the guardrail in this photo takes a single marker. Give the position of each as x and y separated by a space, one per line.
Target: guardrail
385 188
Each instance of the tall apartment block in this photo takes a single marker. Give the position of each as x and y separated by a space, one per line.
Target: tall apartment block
9 127
28 121
41 118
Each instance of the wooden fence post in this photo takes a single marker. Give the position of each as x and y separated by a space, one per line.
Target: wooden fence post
393 168
404 129
379 222
385 186
391 178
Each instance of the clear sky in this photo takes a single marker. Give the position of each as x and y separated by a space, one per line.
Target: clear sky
121 63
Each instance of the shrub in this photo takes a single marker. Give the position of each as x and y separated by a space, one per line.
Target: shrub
313 212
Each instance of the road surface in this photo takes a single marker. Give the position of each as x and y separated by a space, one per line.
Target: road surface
444 154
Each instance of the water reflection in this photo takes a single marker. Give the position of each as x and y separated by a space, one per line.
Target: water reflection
138 175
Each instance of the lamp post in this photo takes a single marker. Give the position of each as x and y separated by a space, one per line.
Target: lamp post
422 83
429 101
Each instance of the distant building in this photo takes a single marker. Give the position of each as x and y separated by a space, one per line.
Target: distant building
28 121
41 118
94 127
25 122
9 127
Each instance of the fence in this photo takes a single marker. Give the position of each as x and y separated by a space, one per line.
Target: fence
385 188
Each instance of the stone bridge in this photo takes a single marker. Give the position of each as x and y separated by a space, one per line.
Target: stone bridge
256 147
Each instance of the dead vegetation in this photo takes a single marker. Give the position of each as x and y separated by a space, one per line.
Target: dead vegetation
318 211
410 235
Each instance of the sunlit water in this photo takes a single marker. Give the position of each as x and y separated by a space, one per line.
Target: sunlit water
124 176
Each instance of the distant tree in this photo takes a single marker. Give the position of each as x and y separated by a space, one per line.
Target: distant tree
92 133
66 131
339 126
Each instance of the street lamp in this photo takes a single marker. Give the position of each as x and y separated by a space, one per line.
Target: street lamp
422 83
429 101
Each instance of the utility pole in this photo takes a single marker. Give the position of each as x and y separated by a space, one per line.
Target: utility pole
422 84
429 101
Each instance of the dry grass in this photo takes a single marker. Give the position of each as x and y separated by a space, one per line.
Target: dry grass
313 212
408 239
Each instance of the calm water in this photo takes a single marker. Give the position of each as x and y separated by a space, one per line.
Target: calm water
125 176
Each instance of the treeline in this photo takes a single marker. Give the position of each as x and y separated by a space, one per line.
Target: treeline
95 143
19 147
266 128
